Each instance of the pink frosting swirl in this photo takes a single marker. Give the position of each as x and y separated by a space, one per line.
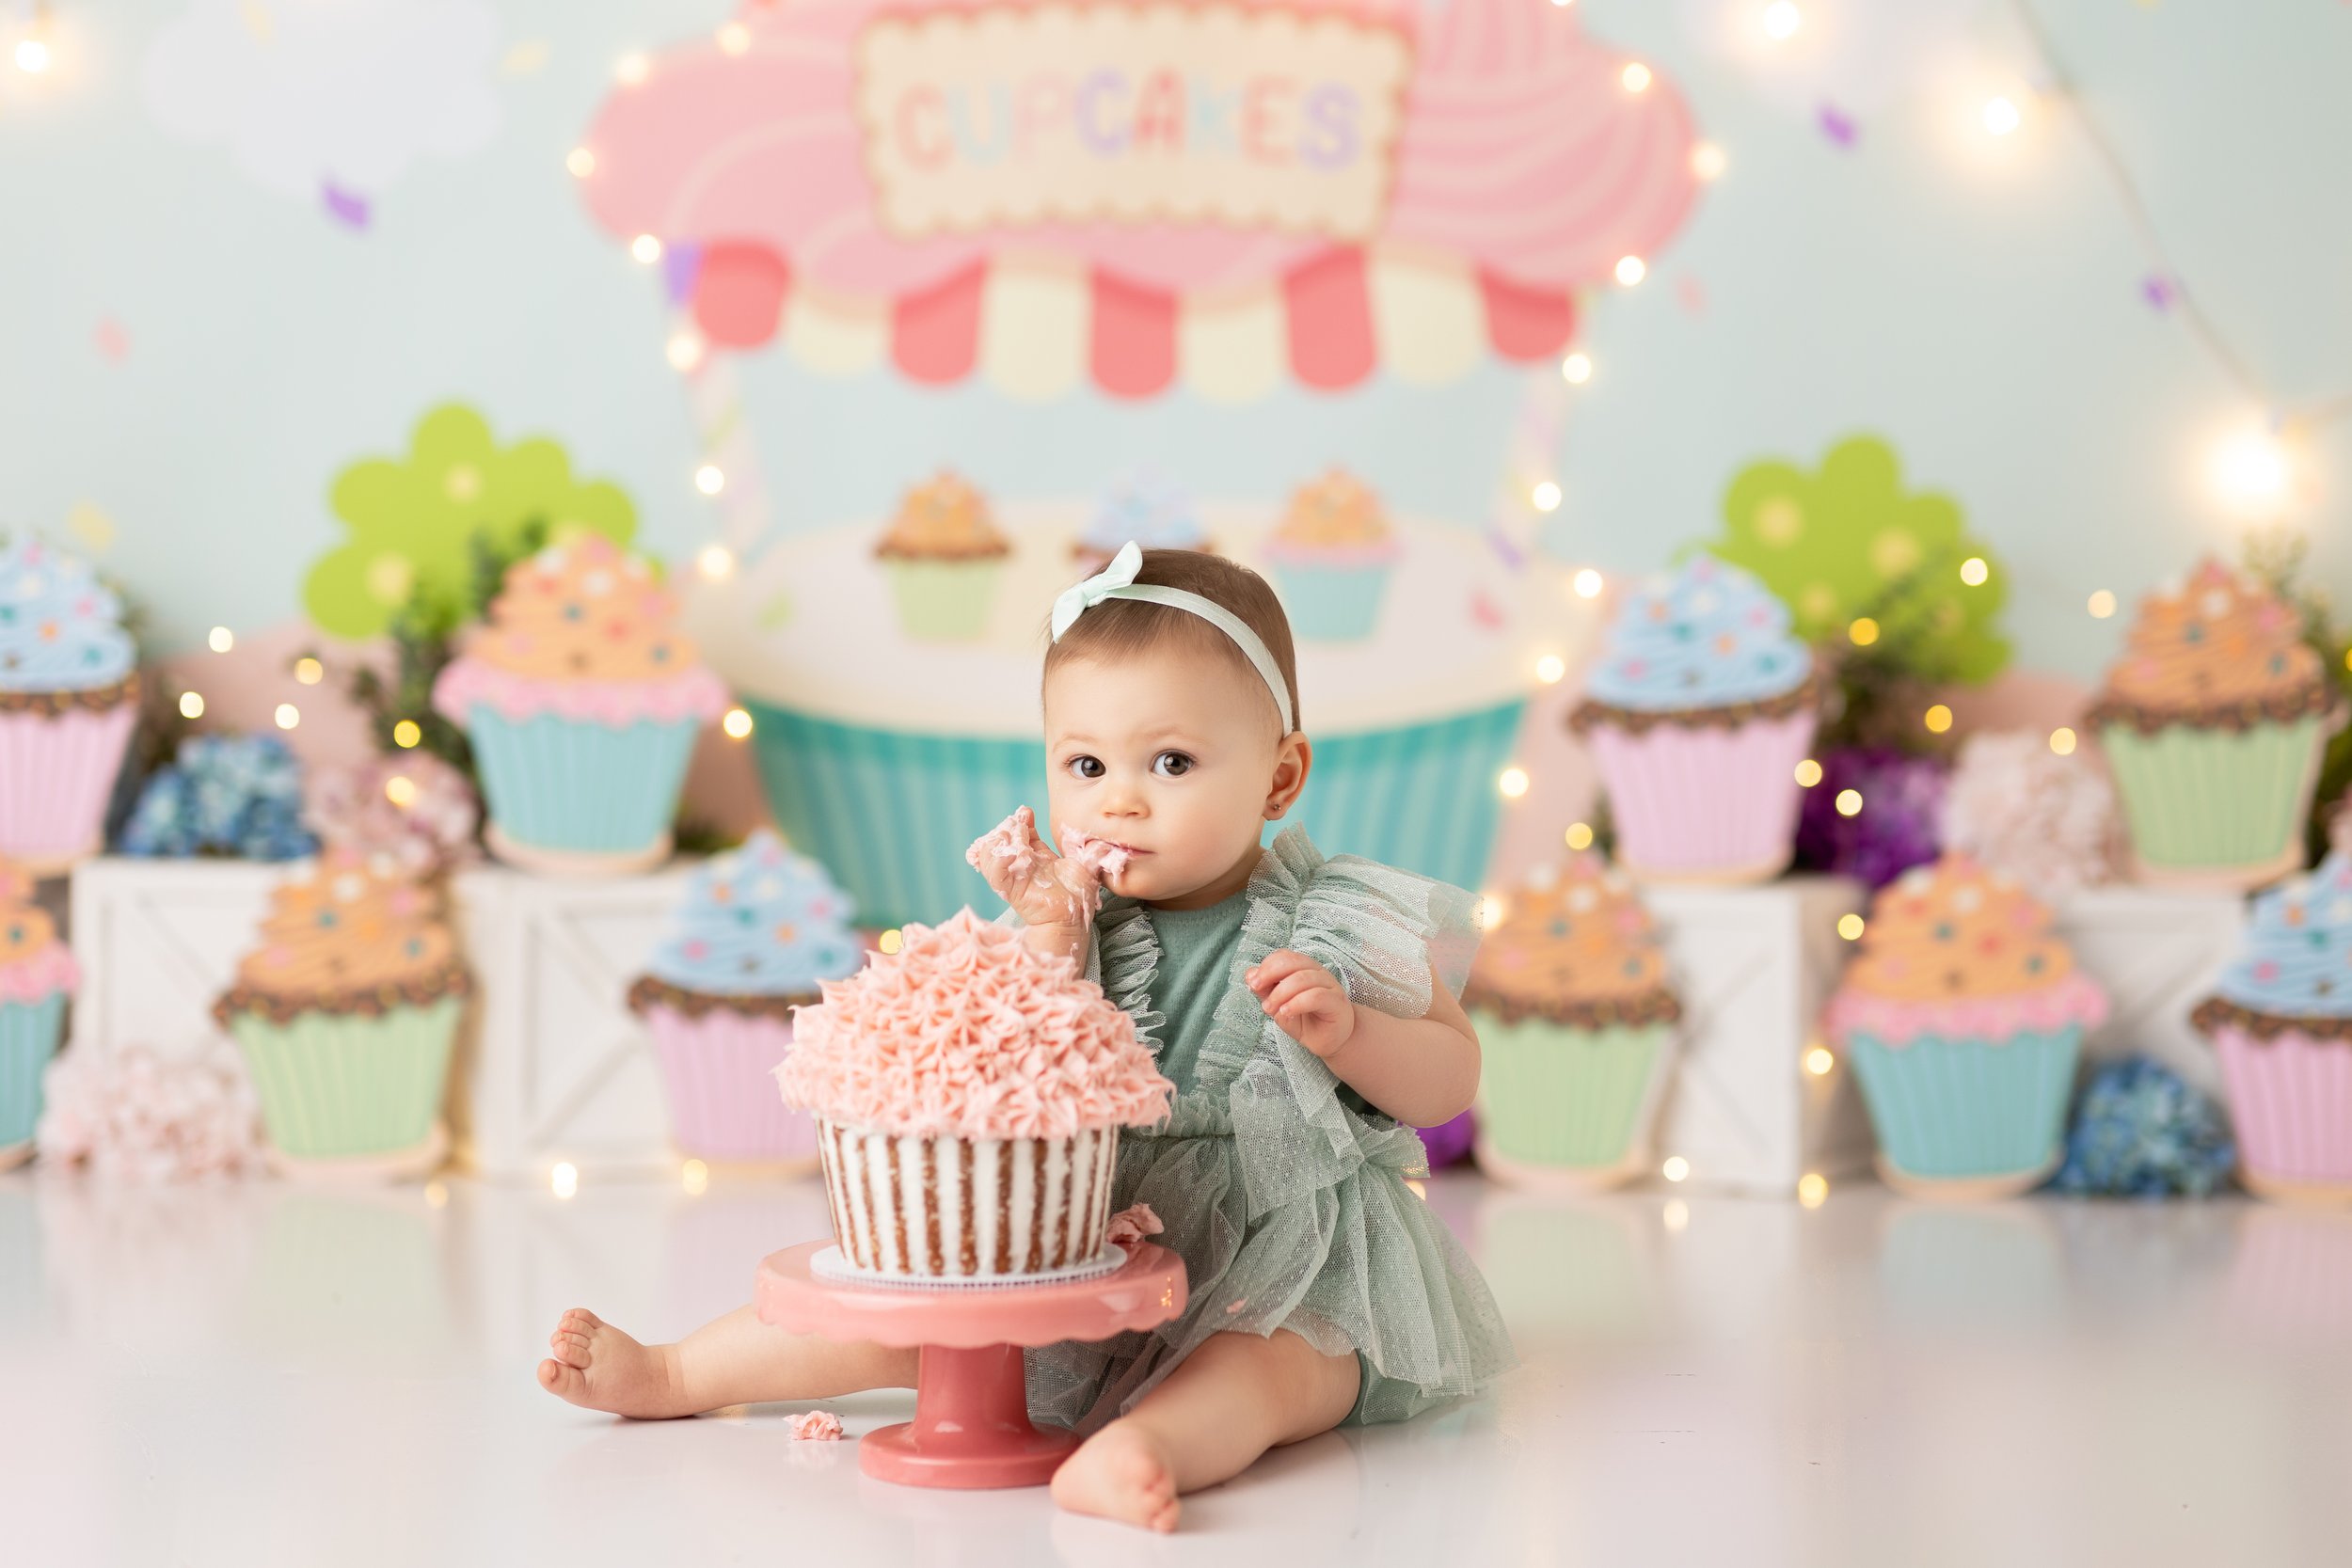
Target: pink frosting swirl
37 978
694 694
966 1032
1994 1020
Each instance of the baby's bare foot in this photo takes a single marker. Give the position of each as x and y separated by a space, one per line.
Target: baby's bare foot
599 1365
1119 1473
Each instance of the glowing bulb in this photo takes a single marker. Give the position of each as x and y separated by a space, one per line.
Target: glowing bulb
1973 571
1939 719
406 734
709 479
2001 116
1636 77
563 1180
288 716
191 706
631 69
1546 497
222 639
734 38
2062 741
436 1195
1808 773
1490 911
1576 368
1551 669
1708 162
1419 1189
1676 1167
1818 1060
401 790
309 671
684 351
891 940
1782 19
738 723
2101 604
32 56
1676 1215
1631 270
646 248
1588 584
2251 470
1580 835
695 1176
716 561
1850 803
1812 1189
581 163
1513 783
1864 632
1850 926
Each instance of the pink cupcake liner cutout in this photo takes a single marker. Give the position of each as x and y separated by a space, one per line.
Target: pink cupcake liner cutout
883 161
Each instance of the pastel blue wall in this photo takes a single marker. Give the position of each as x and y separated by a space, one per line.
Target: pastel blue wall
1982 311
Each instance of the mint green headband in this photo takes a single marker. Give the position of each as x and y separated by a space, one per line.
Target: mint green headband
1117 582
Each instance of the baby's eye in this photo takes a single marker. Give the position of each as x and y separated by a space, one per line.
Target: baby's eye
1171 765
1085 767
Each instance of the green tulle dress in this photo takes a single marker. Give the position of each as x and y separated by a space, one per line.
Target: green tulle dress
1282 1189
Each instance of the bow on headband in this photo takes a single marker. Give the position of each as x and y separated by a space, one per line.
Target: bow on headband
1080 597
1117 582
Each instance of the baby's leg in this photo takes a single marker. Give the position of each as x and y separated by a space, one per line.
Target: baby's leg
1231 1399
732 1360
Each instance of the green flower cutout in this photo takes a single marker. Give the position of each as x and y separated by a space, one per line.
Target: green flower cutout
1848 542
419 525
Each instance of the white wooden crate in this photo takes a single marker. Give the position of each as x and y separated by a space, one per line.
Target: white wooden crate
157 941
2158 954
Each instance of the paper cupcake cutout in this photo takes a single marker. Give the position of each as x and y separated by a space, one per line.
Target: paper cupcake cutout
1421 185
1145 508
944 554
68 700
1708 636
37 977
1331 555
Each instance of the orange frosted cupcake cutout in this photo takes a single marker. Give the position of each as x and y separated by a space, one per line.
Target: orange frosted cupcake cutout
351 925
26 928
1335 511
946 519
1585 938
2220 637
586 609
1954 930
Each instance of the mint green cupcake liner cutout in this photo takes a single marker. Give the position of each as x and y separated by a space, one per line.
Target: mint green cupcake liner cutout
1553 1095
944 601
2199 799
29 1038
338 1085
891 813
1965 1108
567 783
1332 604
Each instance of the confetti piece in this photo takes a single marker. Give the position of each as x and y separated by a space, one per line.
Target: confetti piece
1511 555
91 526
258 19
1691 294
527 58
1837 126
111 341
814 1426
775 612
345 207
1484 611
2158 291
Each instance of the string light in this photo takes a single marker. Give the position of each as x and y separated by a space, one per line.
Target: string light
1973 571
2251 471
191 704
715 563
1490 911
1576 368
646 248
1551 669
1819 1061
1580 835
1808 773
1850 926
1676 1167
2101 604
684 350
630 70
1812 1189
1588 584
1636 77
1864 631
2062 741
309 671
288 716
563 1180
581 163
709 479
1632 270
436 1195
401 790
891 940
1675 1216
32 56
1850 803
406 734
2000 115
1939 719
221 639
738 723
1781 20
1513 783
695 1176
1708 162
1546 497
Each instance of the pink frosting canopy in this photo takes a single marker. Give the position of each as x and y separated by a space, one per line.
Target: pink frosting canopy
966 1032
1520 156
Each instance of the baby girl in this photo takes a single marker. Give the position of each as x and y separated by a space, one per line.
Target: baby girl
1305 1008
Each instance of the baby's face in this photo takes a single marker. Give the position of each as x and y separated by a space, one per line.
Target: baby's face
1168 757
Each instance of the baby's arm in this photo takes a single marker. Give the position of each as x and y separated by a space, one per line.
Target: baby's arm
1420 1070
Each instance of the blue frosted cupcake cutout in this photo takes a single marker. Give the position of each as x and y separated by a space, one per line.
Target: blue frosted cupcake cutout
60 627
759 921
1708 635
2297 958
1146 509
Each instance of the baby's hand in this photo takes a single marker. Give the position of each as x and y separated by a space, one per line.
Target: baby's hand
1043 888
1305 999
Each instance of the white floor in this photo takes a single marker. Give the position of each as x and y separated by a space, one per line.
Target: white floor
265 1374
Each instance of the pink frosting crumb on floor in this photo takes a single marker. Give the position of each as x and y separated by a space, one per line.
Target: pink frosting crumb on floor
814 1426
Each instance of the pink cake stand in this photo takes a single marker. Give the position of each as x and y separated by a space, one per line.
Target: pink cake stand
971 1426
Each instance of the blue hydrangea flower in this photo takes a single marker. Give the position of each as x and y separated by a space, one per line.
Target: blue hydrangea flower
2139 1130
237 796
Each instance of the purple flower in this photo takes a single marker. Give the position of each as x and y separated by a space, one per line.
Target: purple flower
1903 802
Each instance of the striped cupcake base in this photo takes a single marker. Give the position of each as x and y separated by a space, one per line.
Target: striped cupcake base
959 1208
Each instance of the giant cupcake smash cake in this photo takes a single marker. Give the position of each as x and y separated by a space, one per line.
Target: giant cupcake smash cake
969 1093
69 700
1701 707
581 700
2281 1020
758 929
36 975
2213 723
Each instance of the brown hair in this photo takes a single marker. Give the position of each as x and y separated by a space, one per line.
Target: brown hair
1121 628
